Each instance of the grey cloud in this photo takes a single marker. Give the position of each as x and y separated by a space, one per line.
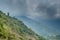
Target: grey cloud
49 9
41 8
45 8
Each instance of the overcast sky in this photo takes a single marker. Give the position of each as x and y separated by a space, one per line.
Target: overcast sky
43 16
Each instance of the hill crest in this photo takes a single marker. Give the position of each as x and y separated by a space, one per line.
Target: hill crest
13 29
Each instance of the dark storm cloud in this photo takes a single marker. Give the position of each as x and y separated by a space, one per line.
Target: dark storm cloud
49 10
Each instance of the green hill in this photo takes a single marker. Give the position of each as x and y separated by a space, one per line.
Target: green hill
14 29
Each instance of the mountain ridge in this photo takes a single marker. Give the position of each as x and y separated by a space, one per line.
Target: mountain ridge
13 29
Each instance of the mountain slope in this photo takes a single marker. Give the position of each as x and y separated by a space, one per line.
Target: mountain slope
14 29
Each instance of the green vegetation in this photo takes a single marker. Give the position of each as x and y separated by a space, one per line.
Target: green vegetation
14 29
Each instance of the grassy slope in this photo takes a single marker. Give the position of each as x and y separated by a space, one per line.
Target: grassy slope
14 29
